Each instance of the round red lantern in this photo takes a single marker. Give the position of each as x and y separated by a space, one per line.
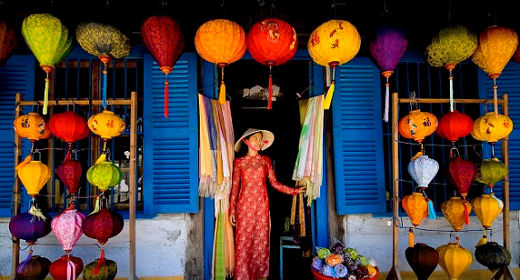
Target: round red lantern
102 225
67 267
454 125
69 172
272 42
69 126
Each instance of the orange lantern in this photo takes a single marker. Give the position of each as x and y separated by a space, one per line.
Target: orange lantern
107 125
416 207
496 47
417 125
31 126
222 42
333 43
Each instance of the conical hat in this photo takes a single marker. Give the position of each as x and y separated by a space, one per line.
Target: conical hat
267 136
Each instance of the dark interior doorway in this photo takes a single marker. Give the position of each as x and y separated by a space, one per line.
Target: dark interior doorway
284 121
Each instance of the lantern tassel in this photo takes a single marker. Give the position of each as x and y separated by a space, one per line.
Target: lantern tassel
452 106
166 83
466 213
46 95
222 93
96 206
100 262
23 264
410 238
431 210
482 240
387 101
495 96
71 270
24 162
105 86
37 213
270 89
330 92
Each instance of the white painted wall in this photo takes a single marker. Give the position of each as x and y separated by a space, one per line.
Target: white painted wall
160 247
373 237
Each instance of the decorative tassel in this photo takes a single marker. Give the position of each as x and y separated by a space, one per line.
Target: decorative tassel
293 210
328 97
102 158
96 206
166 83
22 265
270 89
431 210
387 101
466 213
411 242
71 270
37 213
452 105
222 94
100 262
482 240
46 95
24 162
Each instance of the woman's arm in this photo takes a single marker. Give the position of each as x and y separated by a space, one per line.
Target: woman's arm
235 190
277 185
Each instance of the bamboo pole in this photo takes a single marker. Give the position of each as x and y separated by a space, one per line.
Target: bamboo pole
81 102
15 249
131 189
505 156
445 100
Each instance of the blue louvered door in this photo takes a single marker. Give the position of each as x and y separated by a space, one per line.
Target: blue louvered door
509 83
16 76
358 147
171 144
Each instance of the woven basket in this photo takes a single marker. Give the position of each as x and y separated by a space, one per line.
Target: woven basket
319 276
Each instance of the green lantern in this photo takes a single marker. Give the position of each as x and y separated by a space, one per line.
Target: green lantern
104 174
49 41
100 269
491 171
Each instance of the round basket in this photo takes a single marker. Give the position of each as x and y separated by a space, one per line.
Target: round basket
319 276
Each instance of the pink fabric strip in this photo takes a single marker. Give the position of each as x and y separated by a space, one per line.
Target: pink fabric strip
71 270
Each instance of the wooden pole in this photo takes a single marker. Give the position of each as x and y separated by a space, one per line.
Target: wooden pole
15 249
505 156
132 187
80 102
445 100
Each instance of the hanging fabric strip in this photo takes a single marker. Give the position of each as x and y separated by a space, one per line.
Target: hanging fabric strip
220 258
387 101
23 264
71 269
230 247
204 151
452 106
213 143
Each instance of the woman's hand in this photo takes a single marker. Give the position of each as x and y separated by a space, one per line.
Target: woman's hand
302 189
233 220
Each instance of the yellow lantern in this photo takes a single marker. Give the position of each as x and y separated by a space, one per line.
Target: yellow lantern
106 124
492 127
333 43
456 211
487 208
454 259
496 47
31 126
416 207
34 175
417 125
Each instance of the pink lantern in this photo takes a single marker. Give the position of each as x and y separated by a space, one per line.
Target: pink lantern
67 228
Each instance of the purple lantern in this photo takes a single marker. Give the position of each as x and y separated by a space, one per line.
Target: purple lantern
387 48
29 228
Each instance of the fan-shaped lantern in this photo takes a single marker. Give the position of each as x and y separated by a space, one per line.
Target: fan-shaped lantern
491 171
8 41
272 42
104 174
106 124
105 42
29 228
163 38
68 267
454 125
492 127
462 173
416 207
454 259
492 255
31 126
100 269
487 208
448 48
333 43
34 175
49 41
496 47
33 267
423 169
456 211
102 225
222 42
387 48
69 126
417 125
69 172
67 228
423 260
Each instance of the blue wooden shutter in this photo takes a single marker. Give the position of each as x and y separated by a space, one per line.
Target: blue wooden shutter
509 83
358 139
171 144
16 76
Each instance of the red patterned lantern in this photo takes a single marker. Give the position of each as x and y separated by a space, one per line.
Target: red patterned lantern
69 126
272 42
102 225
463 173
69 172
66 268
454 125
162 36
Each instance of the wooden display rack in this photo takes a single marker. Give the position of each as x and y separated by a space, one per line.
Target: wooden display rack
394 272
132 103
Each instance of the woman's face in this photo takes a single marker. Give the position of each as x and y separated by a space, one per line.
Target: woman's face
256 141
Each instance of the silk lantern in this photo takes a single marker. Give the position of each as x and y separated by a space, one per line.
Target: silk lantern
492 255
491 172
103 225
31 126
416 207
27 227
272 42
107 125
496 47
34 175
67 228
492 127
417 125
487 207
333 43
8 41
222 42
448 48
454 125
100 269
387 48
163 38
49 41
69 127
33 267
454 259
69 172
104 174
105 42
456 211
462 173
68 267
423 260
422 170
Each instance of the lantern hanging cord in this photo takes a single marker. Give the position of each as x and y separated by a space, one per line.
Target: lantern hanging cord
400 224
431 183
436 145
